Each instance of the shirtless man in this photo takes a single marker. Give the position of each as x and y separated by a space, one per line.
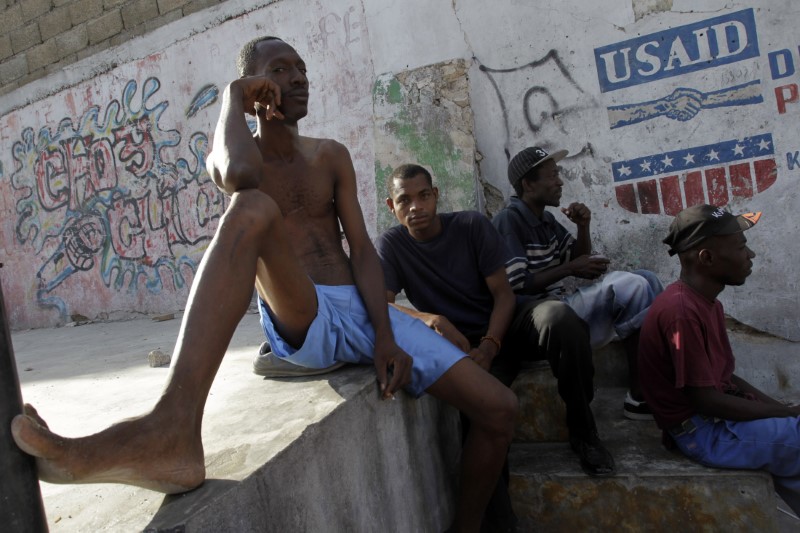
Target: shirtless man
289 193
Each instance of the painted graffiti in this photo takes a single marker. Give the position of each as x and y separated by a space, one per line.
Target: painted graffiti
782 65
106 194
684 104
715 173
544 111
702 45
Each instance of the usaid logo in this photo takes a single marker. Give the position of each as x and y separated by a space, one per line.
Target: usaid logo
698 46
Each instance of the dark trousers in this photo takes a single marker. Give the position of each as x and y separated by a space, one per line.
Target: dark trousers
551 330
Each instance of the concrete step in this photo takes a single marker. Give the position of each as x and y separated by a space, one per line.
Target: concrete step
654 489
542 413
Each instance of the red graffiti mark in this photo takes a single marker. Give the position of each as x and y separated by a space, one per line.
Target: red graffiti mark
626 196
766 173
671 195
127 233
52 179
136 146
717 186
741 180
693 188
648 196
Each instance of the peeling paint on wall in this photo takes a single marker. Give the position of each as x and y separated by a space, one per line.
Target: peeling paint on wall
423 116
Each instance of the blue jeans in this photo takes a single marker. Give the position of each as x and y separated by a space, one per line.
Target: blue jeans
615 306
771 444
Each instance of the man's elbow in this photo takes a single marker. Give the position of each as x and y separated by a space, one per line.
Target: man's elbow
236 177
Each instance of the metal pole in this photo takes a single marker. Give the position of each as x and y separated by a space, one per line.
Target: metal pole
21 508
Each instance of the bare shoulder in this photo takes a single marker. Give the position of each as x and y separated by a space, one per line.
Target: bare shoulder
327 148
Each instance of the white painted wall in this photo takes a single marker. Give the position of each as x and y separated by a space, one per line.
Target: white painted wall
534 80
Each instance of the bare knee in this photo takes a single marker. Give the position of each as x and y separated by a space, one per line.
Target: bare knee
252 210
498 414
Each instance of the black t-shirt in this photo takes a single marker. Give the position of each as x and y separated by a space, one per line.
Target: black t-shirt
447 274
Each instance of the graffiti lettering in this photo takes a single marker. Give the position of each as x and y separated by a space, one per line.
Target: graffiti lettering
544 112
786 94
677 51
792 160
104 190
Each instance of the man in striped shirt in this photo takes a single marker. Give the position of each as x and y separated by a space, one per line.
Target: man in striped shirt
545 253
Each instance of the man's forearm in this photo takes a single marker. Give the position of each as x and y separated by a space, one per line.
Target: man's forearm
711 402
368 277
537 283
583 242
236 158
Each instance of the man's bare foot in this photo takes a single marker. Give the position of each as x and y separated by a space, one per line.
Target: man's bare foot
148 452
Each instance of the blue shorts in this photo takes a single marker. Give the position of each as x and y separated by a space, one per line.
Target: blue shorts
342 331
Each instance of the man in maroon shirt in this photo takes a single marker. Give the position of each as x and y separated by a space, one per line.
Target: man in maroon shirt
686 365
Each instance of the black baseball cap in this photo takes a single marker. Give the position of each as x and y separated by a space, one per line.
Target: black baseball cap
695 224
528 159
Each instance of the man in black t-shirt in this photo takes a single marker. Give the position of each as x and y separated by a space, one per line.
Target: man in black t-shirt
452 269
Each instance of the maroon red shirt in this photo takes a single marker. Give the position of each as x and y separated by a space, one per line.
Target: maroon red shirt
683 343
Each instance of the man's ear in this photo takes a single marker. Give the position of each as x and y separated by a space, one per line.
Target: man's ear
436 193
390 204
705 257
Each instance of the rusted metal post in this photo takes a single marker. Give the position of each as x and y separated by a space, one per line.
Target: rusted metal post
21 508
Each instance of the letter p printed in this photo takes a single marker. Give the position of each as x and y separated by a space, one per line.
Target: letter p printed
783 98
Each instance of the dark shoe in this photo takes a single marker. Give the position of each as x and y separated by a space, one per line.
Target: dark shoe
635 410
595 459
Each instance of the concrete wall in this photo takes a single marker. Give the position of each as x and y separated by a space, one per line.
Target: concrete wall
40 37
661 104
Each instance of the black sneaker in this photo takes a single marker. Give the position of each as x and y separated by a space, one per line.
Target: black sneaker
595 459
635 410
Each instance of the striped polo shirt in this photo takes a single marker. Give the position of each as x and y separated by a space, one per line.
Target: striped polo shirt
535 245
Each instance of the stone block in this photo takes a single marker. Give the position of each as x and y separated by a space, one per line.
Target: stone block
542 415
198 5
34 8
24 38
172 16
647 499
11 18
138 12
72 41
55 22
110 4
105 27
42 55
5 47
165 6
654 489
8 87
83 10
14 68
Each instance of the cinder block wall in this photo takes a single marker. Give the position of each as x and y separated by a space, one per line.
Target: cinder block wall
38 37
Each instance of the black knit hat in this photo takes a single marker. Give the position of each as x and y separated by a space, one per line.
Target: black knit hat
528 159
695 224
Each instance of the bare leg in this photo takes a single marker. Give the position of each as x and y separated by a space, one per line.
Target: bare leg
162 450
492 409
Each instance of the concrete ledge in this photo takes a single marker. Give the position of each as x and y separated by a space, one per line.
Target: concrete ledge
654 490
311 454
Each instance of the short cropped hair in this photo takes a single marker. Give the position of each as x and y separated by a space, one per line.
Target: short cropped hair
532 174
405 172
247 55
